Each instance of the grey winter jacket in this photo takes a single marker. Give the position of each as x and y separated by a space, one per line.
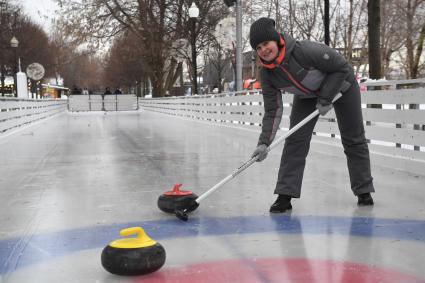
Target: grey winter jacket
309 69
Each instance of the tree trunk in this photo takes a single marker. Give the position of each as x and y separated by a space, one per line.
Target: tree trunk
374 36
418 55
291 18
326 22
173 74
350 33
158 89
2 71
374 25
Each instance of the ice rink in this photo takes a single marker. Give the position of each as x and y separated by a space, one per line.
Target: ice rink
70 183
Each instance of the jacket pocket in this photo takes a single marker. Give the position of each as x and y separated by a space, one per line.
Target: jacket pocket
345 86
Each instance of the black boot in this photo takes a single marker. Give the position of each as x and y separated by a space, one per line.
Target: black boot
364 199
282 204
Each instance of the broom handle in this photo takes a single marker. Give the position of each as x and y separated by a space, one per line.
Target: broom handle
252 160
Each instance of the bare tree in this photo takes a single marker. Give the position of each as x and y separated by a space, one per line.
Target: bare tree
412 11
391 34
350 32
218 58
156 24
401 29
306 19
34 44
416 63
78 67
124 66
9 16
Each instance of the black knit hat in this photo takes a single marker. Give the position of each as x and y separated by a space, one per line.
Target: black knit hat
262 30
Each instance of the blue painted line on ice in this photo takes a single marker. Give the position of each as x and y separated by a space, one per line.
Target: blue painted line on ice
15 253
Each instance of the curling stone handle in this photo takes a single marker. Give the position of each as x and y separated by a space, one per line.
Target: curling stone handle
133 231
177 187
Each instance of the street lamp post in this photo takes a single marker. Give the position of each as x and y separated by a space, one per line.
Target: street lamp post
239 58
2 77
193 14
14 43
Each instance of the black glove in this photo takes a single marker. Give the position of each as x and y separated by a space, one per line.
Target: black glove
323 107
261 151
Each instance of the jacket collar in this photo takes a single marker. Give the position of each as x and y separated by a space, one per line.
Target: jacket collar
279 59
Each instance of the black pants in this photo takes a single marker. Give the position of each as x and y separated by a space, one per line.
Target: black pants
350 122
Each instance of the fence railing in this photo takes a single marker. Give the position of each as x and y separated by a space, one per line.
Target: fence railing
120 102
15 112
396 130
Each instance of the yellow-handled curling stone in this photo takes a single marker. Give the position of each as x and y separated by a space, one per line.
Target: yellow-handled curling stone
133 256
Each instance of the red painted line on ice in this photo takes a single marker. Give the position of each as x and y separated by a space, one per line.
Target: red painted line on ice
295 270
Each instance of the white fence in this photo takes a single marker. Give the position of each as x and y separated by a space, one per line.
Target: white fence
15 112
396 132
121 102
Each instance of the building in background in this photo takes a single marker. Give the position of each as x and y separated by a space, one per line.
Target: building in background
54 91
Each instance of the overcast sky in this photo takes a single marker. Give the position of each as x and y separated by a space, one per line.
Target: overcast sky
41 11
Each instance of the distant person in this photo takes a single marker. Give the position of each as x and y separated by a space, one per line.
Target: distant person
76 90
232 86
117 91
107 91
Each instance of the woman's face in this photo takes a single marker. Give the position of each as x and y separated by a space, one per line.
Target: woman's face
268 50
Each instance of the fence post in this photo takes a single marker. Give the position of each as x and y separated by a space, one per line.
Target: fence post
103 102
89 102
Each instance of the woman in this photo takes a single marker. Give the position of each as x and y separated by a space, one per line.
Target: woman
315 74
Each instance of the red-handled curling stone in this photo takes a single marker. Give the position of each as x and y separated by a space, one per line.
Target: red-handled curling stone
177 200
133 256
